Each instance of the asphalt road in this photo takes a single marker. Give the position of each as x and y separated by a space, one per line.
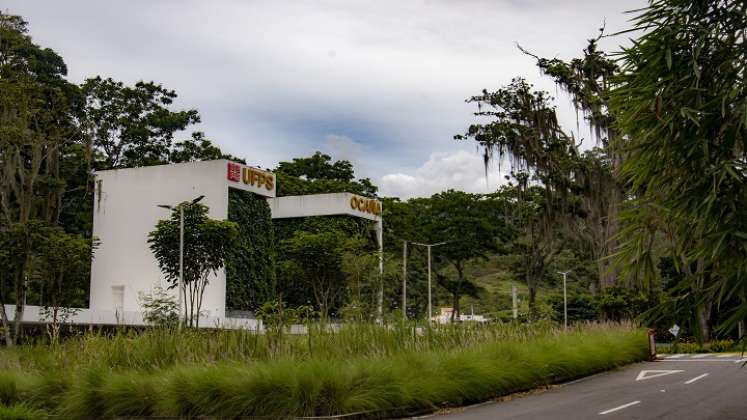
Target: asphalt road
682 387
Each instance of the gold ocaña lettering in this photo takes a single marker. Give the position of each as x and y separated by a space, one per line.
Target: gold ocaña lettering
365 205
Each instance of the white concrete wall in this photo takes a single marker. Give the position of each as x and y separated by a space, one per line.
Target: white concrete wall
125 211
85 316
318 205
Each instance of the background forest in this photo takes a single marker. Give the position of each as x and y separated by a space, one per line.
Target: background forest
609 215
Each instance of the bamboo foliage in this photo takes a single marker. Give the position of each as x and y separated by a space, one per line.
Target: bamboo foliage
681 103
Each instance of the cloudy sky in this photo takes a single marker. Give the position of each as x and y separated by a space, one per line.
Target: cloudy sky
380 83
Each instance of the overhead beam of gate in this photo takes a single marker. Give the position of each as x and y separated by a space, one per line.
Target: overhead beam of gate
325 205
333 205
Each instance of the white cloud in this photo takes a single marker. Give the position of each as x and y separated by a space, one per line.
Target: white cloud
460 170
343 148
272 79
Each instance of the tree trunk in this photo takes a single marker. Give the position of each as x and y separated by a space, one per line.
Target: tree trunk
535 271
704 321
532 299
608 275
20 305
703 309
455 307
5 325
460 280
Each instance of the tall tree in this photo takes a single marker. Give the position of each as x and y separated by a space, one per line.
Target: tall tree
319 174
524 127
198 148
131 126
318 258
37 123
681 104
459 220
588 81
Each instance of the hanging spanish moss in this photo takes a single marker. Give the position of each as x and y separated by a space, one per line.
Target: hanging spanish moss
587 81
524 129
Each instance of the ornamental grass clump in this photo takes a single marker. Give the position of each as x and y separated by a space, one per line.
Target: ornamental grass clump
388 372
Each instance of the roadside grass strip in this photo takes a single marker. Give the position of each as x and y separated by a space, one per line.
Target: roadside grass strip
406 383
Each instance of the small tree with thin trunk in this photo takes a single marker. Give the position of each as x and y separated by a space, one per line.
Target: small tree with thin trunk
460 221
206 244
318 257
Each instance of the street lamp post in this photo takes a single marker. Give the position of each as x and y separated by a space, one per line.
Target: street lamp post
429 246
180 285
430 309
404 280
565 299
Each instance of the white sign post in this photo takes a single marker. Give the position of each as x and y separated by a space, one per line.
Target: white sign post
675 330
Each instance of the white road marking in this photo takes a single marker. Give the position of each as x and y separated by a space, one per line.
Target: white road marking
612 410
725 355
648 374
741 360
701 360
674 356
700 356
696 378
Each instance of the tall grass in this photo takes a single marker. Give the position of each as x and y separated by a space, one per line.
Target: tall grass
361 369
161 348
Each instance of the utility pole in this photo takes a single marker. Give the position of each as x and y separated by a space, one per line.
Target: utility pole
430 308
565 299
404 280
514 303
430 301
380 239
181 262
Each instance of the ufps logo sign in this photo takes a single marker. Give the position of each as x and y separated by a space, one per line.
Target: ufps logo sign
250 176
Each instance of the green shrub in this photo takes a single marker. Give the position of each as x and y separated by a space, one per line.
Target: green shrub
721 345
159 308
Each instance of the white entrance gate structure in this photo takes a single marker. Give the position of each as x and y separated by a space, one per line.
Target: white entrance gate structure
126 209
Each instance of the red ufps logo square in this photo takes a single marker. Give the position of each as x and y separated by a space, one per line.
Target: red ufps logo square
234 172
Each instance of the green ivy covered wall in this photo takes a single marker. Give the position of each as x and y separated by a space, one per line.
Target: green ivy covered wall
250 268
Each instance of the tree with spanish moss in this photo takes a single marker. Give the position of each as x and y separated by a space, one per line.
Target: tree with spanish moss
588 80
524 128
